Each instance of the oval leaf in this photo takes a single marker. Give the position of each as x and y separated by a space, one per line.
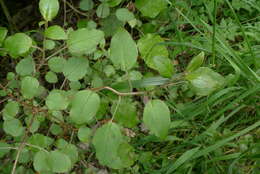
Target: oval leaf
49 9
156 118
164 66
151 8
29 87
57 100
18 44
56 33
196 62
123 50
84 106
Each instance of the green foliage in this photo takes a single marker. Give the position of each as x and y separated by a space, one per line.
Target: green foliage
122 87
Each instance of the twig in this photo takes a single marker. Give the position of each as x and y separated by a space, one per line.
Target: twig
117 92
74 9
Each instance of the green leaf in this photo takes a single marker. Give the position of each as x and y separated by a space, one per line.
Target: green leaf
51 77
13 127
71 151
84 41
149 47
156 118
123 50
86 5
29 87
124 15
3 34
151 8
49 9
126 154
76 68
56 64
126 114
106 141
18 44
54 161
204 81
49 44
56 33
25 67
196 62
113 3
111 24
84 134
60 163
4 148
84 106
57 100
40 140
164 66
41 162
103 10
10 110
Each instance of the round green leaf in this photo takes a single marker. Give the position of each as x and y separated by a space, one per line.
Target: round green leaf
106 141
49 44
123 50
56 33
149 47
86 5
51 77
84 134
76 68
49 9
13 127
156 118
56 64
124 15
164 66
103 10
18 44
60 163
84 41
71 151
84 106
10 110
204 81
25 67
29 87
57 100
151 8
41 162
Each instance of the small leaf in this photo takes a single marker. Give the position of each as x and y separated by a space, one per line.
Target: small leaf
3 34
10 110
84 134
204 81
72 152
4 149
29 87
106 141
103 10
51 77
84 106
124 15
196 62
111 24
56 33
60 163
13 127
126 114
151 8
86 5
49 9
123 50
164 66
149 48
18 44
57 100
25 67
41 162
75 68
113 3
40 140
56 64
156 118
84 41
49 44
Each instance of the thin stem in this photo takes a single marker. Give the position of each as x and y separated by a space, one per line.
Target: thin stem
117 106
